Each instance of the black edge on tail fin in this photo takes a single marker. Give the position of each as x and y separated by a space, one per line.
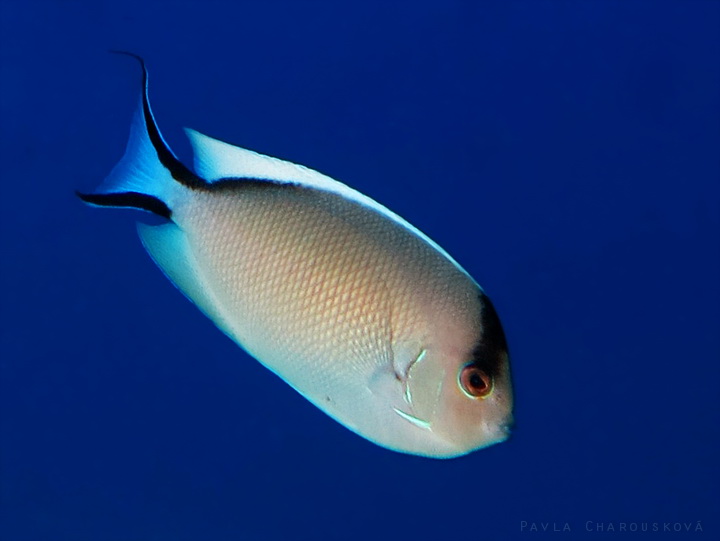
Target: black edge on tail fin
177 169
128 199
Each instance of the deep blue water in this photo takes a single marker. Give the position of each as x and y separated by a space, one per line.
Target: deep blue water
565 153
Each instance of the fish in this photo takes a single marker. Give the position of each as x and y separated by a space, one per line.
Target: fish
357 310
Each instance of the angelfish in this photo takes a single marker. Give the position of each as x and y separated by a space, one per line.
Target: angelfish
348 303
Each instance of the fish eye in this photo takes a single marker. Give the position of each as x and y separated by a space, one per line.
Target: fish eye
475 382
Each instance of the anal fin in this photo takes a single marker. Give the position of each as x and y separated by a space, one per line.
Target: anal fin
168 245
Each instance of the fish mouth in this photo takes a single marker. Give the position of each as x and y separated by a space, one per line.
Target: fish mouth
506 428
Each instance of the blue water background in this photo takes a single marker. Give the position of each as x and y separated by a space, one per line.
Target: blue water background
566 154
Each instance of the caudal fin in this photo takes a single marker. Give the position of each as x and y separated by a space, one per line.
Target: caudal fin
149 174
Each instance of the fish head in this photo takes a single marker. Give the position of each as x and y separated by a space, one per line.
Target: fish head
461 386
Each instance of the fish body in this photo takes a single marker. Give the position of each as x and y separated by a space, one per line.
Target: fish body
357 310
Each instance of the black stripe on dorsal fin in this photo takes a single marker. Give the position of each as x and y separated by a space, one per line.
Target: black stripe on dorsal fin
128 199
178 170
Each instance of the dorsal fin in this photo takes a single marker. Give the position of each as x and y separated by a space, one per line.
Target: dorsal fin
215 159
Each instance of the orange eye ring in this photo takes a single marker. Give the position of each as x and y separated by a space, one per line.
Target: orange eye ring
474 382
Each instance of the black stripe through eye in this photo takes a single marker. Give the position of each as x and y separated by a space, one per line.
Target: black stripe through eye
491 351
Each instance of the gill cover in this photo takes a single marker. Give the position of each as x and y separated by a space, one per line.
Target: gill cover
424 386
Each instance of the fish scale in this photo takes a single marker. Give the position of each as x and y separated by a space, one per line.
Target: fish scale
301 285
